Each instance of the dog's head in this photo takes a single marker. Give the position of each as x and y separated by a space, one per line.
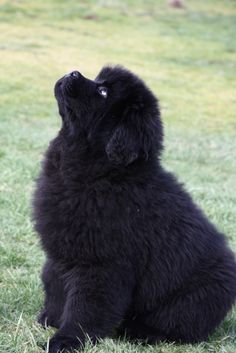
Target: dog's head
117 112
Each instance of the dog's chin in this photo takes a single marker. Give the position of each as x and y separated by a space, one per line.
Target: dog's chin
65 88
66 110
58 90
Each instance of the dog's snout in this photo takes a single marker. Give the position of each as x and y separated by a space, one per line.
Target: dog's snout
75 74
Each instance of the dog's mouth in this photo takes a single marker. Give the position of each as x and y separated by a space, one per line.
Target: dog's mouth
77 93
67 85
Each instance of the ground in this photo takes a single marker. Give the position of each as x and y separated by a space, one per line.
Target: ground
187 56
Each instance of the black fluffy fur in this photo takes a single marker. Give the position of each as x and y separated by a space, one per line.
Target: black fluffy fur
127 249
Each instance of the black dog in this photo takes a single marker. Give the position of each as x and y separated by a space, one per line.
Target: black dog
126 247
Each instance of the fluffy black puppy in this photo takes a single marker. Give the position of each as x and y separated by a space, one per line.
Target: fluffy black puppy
126 247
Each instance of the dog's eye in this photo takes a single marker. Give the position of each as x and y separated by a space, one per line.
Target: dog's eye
103 91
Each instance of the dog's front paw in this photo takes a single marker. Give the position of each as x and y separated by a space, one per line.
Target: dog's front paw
63 343
45 319
42 318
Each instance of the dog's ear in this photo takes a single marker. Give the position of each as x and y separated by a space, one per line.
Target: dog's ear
122 147
136 136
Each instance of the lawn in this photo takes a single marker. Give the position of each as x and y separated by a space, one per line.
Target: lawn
187 56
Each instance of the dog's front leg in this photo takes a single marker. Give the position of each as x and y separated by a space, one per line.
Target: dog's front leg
54 295
97 298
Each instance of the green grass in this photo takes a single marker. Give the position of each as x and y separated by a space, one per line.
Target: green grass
188 57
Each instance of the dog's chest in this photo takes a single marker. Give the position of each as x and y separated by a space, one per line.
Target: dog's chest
83 219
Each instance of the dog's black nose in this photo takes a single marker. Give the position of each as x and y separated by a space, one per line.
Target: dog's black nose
75 74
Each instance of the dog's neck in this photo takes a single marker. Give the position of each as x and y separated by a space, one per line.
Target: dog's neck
91 163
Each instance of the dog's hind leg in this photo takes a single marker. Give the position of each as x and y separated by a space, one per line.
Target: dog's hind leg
135 330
